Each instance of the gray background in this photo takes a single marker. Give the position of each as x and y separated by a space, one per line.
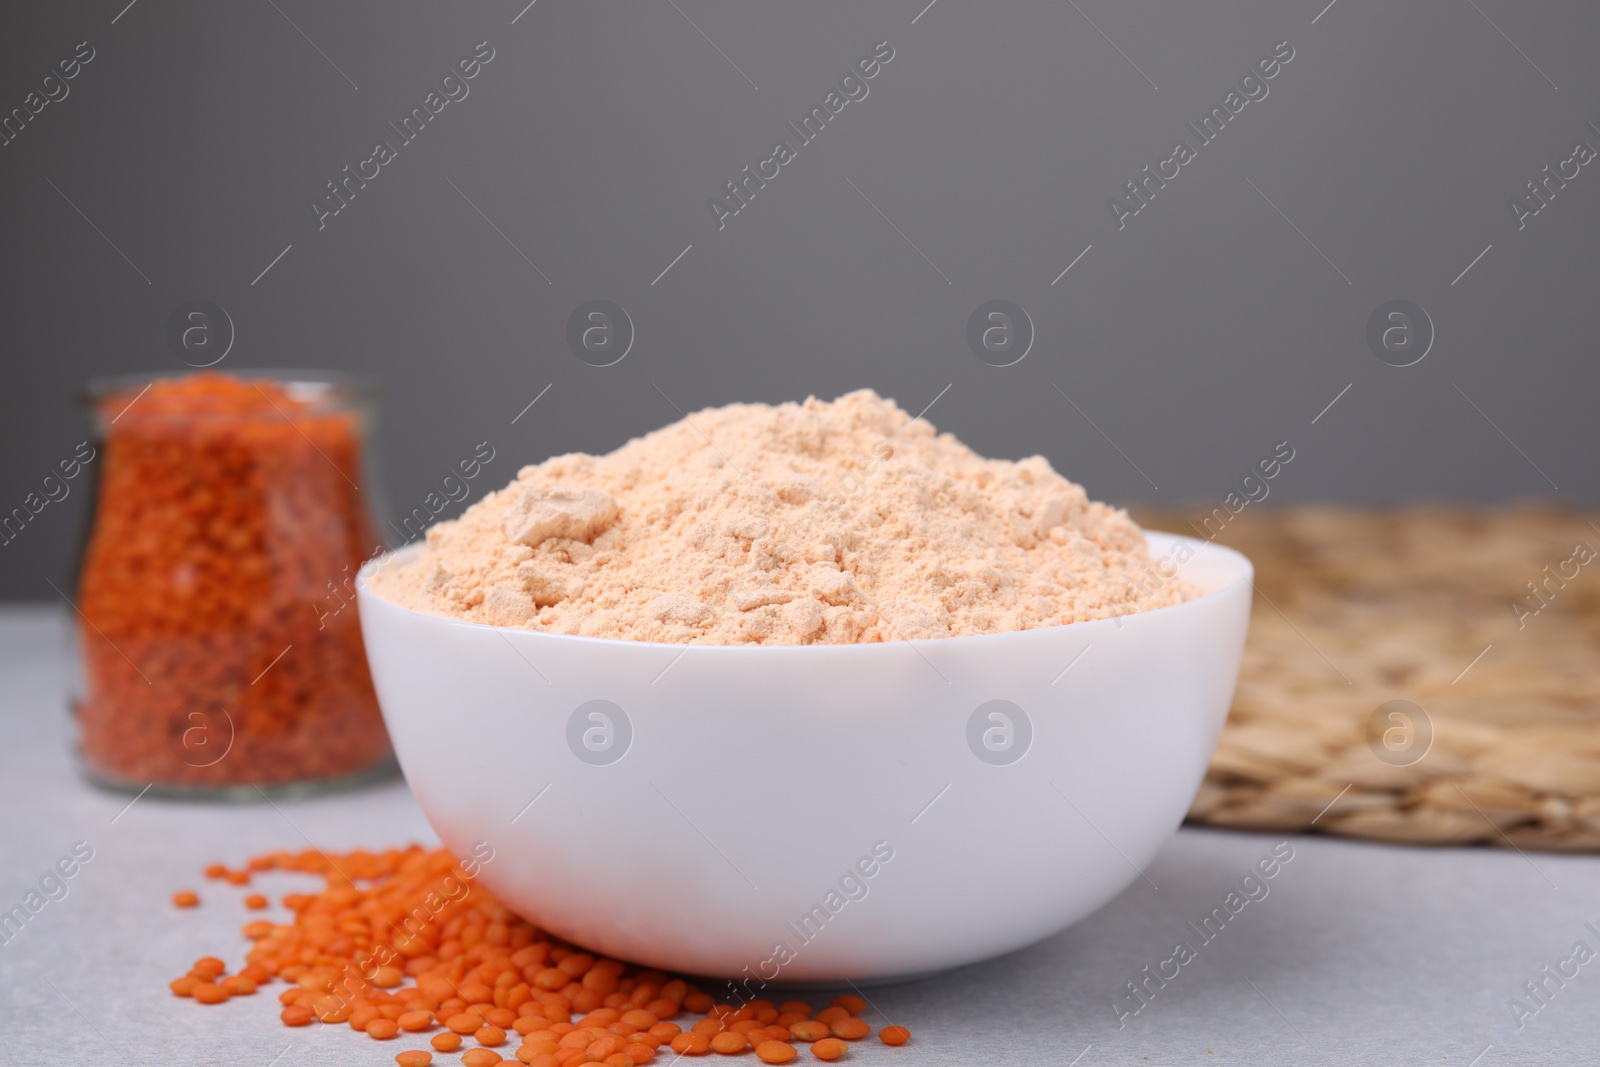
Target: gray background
1209 329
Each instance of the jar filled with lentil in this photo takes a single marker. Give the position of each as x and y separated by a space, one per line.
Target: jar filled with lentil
218 635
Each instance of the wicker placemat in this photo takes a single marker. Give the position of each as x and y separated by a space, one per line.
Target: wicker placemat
1433 606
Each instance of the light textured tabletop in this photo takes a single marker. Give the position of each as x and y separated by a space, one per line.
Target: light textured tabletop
1358 954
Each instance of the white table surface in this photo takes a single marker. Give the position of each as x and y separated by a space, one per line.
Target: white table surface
1360 954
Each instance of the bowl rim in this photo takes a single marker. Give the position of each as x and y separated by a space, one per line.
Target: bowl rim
1156 540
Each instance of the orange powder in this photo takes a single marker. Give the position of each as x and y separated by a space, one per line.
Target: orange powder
819 522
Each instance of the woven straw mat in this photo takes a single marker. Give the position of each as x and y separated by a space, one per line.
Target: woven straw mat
1498 742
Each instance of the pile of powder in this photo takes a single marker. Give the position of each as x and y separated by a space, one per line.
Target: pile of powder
807 523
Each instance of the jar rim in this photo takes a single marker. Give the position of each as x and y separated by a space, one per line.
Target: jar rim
319 388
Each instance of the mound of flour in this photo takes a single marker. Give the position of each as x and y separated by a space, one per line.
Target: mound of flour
803 523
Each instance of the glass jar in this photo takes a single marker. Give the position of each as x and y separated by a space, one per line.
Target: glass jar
218 635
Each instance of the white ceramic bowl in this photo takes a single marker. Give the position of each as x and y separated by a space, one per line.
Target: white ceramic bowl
747 784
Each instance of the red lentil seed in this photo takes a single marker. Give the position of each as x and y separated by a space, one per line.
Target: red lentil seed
729 1043
776 1052
414 1058
808 1031
185 898
480 1057
829 1048
446 1042
382 1029
851 1029
209 993
691 1044
850 1003
894 1035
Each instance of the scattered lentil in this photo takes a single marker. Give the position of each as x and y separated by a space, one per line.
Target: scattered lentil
808 1030
776 1052
851 1029
412 1021
829 1048
209 993
691 1044
404 939
729 1042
